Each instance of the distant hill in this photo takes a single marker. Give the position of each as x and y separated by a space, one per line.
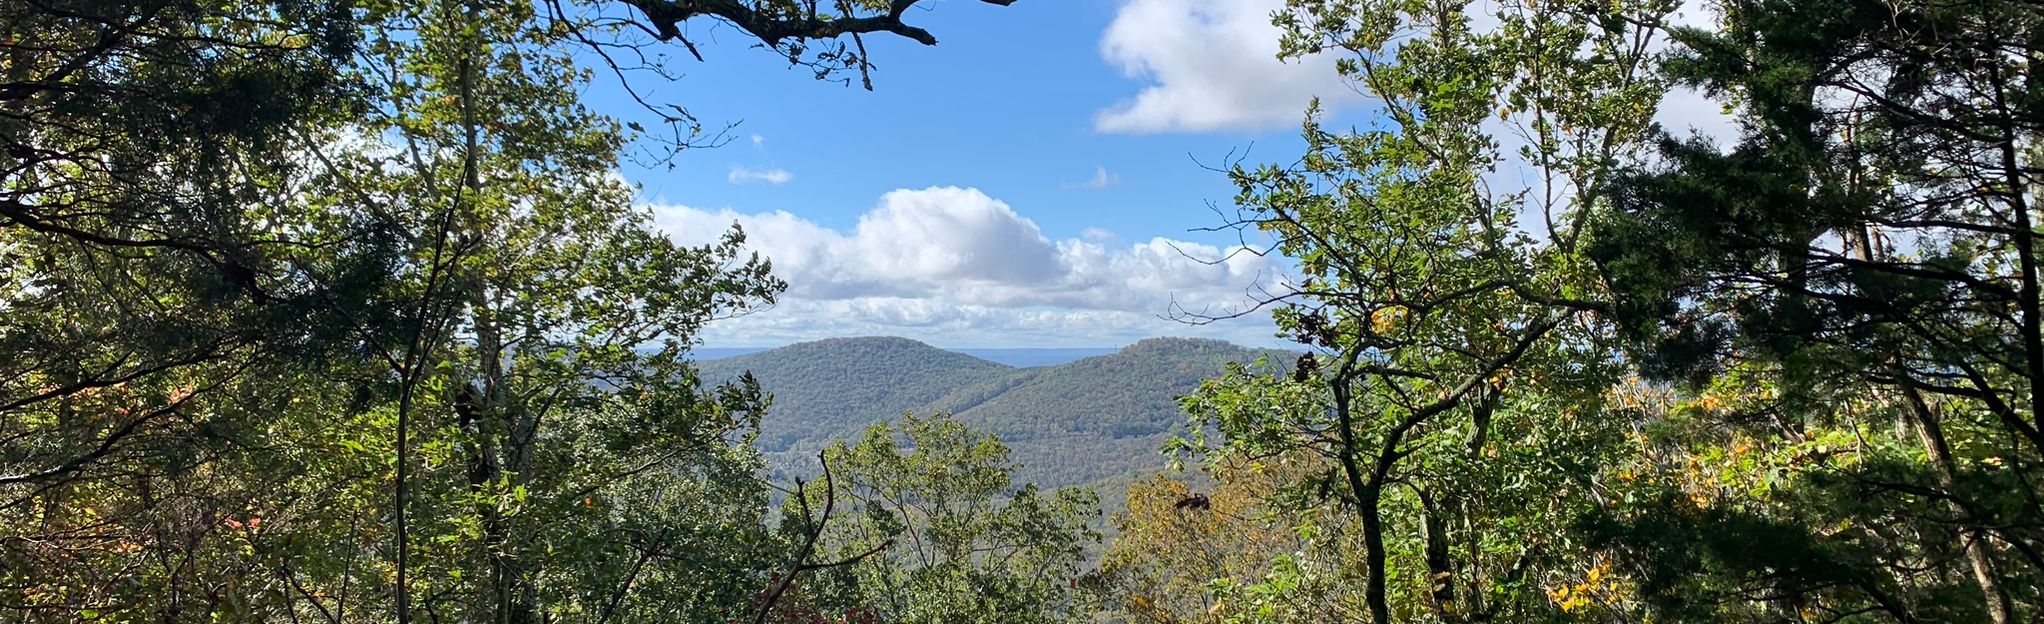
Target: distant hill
1099 416
830 388
1079 422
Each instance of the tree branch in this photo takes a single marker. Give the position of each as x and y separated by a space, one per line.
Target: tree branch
773 26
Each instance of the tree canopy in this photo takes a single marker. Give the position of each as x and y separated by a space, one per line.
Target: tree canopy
337 310
1783 378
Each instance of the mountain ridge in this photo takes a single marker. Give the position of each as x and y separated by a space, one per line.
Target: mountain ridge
1114 410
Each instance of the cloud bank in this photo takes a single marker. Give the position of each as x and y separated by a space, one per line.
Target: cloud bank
956 267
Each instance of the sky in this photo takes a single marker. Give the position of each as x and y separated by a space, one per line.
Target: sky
1037 179
1043 177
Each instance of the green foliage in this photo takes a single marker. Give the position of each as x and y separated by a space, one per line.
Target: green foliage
1836 317
335 311
1456 384
1243 556
937 532
1854 300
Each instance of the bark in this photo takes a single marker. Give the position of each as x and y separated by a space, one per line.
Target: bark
1978 558
1440 565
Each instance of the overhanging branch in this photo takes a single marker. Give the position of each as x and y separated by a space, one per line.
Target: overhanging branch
773 25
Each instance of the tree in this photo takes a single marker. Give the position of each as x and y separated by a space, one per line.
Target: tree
938 532
1233 553
1457 391
147 306
1853 284
246 243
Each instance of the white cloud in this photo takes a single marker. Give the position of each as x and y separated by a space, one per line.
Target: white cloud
1684 111
741 174
758 141
1102 178
1210 65
955 266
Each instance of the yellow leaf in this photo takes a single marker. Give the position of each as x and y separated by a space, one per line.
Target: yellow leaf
1386 319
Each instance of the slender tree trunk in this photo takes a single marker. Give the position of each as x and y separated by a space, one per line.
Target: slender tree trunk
496 425
1931 434
403 589
2030 302
1373 556
1440 565
1367 494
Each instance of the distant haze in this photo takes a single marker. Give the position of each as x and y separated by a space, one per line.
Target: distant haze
1017 357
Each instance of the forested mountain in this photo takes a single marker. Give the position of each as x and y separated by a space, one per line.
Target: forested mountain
832 388
1067 424
1101 416
1037 356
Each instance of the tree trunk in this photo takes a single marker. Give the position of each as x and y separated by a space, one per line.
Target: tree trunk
1373 556
1931 434
1440 565
1368 497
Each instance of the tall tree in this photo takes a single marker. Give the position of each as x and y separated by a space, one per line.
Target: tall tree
1861 261
147 307
1457 389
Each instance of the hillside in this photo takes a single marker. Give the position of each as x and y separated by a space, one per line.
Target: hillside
1112 410
830 388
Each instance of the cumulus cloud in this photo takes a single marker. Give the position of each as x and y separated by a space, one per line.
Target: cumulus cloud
740 174
1210 65
953 264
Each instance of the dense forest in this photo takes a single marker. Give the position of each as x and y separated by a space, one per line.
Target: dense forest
337 311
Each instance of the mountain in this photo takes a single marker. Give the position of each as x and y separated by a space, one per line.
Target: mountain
831 388
1078 422
1099 416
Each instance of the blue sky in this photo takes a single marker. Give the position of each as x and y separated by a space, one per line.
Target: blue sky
1033 180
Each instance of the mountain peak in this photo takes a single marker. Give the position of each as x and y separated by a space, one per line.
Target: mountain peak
1173 345
1179 340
